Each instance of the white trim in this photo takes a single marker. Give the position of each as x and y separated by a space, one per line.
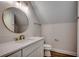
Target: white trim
65 51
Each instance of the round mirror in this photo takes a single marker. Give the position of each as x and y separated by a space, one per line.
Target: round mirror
15 20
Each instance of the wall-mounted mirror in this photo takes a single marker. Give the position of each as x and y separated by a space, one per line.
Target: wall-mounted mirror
15 20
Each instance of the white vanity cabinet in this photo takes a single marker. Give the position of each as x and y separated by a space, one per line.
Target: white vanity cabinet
34 49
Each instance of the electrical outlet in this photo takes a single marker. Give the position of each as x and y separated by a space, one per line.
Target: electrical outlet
56 40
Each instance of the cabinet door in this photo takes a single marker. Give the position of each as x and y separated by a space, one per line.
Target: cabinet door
37 53
16 54
32 48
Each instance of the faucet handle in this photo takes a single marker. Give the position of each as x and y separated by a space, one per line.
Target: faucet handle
22 37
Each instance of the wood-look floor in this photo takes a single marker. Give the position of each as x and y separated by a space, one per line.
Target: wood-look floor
57 54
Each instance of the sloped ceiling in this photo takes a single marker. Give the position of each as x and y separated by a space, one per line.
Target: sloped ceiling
55 11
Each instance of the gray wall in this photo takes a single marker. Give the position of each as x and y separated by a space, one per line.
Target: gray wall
62 37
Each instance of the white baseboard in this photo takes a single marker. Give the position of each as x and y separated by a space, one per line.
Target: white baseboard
65 52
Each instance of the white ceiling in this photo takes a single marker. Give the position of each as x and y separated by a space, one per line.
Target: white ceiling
55 11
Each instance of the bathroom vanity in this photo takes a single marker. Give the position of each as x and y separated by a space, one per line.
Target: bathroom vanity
32 47
15 19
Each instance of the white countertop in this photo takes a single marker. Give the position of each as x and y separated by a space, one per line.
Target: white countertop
10 47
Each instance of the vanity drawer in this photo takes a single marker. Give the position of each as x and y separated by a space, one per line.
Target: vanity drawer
31 48
16 54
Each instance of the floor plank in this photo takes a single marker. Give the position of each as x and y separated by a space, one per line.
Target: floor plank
57 54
